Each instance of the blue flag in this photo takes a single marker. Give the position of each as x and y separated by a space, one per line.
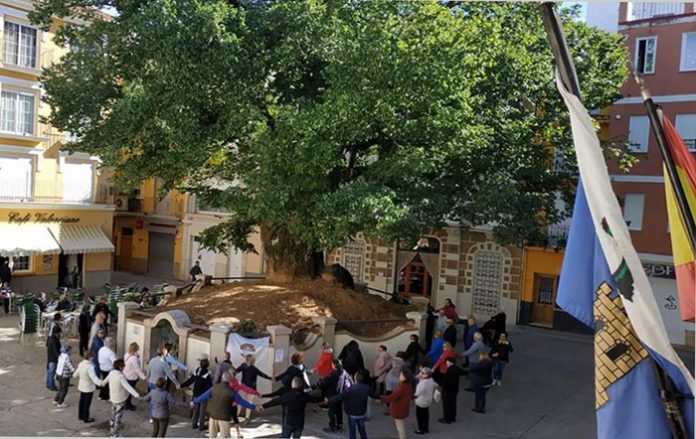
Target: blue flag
603 285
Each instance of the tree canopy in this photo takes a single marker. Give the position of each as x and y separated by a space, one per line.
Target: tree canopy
319 119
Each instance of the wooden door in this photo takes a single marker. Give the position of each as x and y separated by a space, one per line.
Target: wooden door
126 252
415 278
544 299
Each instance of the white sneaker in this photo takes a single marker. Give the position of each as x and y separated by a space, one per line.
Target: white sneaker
62 405
151 421
54 402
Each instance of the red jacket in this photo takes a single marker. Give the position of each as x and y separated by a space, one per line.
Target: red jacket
441 364
399 401
451 313
325 364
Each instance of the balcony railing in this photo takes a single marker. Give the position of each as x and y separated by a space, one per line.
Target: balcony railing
49 192
644 10
558 235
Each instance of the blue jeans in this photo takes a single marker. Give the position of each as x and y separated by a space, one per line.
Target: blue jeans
359 422
51 375
291 431
498 367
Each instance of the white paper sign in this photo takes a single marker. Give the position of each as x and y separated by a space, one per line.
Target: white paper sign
279 355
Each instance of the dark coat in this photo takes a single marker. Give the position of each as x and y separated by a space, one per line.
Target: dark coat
450 335
195 271
84 324
294 403
355 399
220 403
5 273
250 375
352 358
481 374
52 349
329 384
450 380
503 351
290 373
202 380
413 354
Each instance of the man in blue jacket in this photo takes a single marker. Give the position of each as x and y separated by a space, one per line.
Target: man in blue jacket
355 400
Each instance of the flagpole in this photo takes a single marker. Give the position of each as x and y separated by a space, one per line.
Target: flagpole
568 74
659 131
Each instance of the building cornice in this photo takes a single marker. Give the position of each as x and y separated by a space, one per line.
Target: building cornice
664 99
57 206
657 21
634 178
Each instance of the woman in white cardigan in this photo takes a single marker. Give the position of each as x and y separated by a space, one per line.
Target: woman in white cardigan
119 391
87 385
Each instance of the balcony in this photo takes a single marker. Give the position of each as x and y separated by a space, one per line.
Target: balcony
48 192
645 11
560 164
558 235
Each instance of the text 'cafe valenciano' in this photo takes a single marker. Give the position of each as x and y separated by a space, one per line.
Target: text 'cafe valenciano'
50 248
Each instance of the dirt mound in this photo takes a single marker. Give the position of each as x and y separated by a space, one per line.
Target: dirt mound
291 304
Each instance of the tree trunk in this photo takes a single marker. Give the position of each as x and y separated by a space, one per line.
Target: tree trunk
288 259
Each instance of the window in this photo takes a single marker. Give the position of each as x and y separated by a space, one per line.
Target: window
646 50
638 133
545 287
487 282
633 210
77 182
686 126
15 178
688 52
20 45
353 257
21 263
17 112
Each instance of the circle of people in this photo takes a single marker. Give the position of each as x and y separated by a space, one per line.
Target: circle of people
423 375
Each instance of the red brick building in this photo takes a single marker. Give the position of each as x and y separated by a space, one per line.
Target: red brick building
661 41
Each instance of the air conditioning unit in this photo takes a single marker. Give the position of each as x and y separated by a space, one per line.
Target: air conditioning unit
121 202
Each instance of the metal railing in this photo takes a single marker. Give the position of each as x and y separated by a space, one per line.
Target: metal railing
558 235
645 10
14 191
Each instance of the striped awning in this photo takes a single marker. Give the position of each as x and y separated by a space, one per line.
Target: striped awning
26 240
81 239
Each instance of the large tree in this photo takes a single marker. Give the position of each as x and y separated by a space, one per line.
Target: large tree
315 120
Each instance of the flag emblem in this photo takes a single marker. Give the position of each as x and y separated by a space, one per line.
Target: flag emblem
617 349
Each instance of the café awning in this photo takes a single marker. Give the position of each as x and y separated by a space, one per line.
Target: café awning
81 239
26 240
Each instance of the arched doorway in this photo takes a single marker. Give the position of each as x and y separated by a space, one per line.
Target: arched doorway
415 278
163 333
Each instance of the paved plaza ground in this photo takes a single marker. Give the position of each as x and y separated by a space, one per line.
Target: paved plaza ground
547 394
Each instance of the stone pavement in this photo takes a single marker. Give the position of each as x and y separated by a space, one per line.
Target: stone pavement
547 393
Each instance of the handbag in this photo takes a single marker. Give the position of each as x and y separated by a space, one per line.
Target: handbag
437 395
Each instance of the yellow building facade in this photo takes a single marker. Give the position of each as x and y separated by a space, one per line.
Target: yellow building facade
55 222
160 237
